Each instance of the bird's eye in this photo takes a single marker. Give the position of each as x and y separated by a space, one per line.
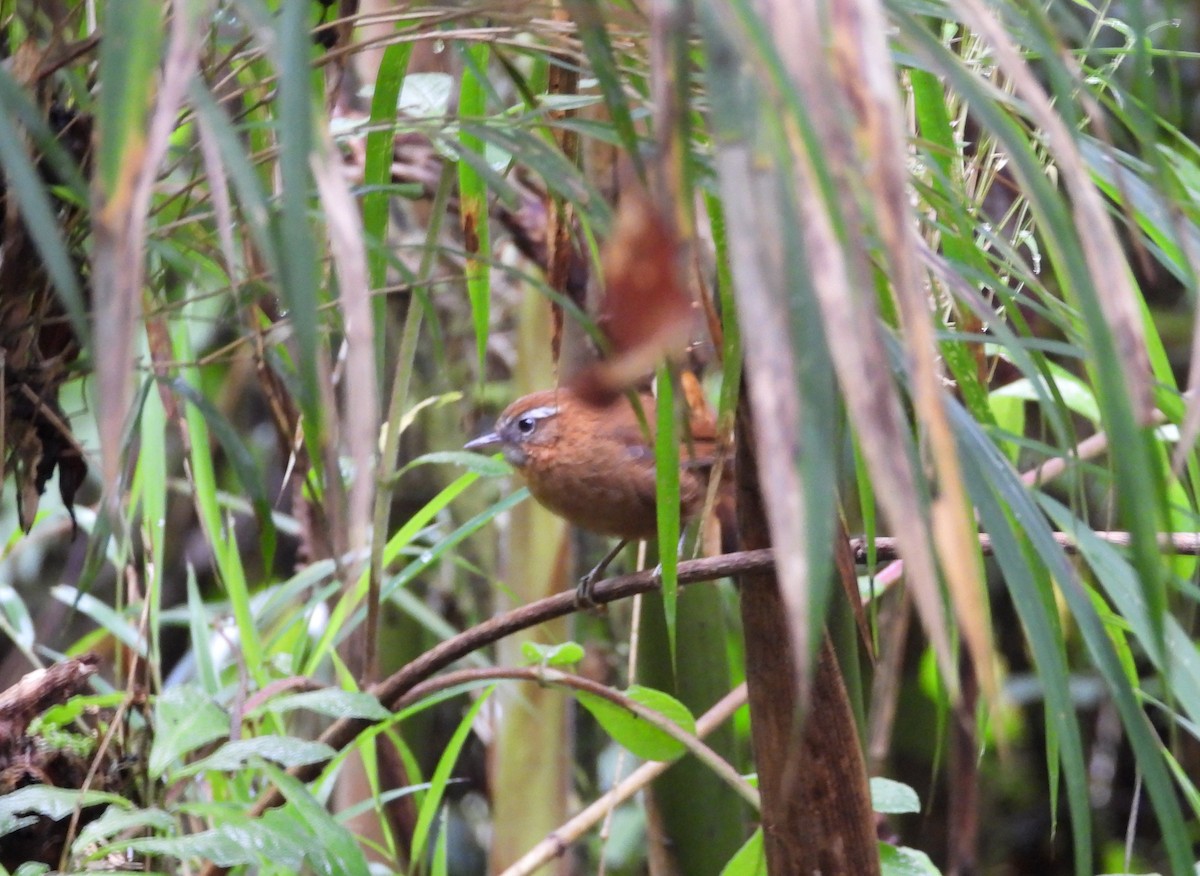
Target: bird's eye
526 425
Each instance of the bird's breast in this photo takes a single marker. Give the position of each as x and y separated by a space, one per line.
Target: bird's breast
620 504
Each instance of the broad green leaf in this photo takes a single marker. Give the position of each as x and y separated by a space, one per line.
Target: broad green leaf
750 860
904 861
635 733
1076 394
334 851
278 839
287 751
116 820
564 654
17 807
331 702
893 798
184 719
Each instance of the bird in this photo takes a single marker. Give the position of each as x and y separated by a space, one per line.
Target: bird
593 464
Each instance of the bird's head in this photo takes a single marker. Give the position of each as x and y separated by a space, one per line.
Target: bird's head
524 427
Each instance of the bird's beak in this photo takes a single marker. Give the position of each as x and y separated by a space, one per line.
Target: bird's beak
485 443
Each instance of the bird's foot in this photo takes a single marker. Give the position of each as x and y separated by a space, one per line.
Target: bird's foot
584 591
656 576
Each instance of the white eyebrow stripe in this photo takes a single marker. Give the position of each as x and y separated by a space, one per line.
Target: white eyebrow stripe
539 413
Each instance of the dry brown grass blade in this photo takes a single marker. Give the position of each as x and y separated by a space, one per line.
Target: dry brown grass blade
770 379
841 282
119 252
359 409
866 73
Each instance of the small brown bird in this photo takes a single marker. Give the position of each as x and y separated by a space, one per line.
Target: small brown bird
593 465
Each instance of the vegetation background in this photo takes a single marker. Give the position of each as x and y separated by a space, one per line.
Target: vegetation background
265 266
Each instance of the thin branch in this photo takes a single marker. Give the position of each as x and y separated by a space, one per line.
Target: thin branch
1182 543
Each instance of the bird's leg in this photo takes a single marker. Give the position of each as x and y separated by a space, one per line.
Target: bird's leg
583 592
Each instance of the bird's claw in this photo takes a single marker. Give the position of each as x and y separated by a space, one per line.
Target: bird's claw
584 591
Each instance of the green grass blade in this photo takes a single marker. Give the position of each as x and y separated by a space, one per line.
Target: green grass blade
37 210
473 199
589 21
666 477
297 281
441 776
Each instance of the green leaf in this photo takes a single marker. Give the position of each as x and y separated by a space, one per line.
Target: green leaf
666 478
593 33
376 188
750 859
296 247
1076 394
635 733
279 839
184 719
552 655
1120 583
244 464
904 861
17 622
36 208
473 197
332 702
198 627
287 751
441 776
893 798
380 150
484 466
129 58
425 95
334 851
18 808
103 614
64 713
116 820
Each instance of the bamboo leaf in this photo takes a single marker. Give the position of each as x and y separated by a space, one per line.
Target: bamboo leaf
473 198
666 476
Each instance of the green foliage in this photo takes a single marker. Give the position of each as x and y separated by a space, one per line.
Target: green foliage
893 798
633 731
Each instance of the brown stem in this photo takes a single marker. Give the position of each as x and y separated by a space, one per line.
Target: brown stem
816 809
